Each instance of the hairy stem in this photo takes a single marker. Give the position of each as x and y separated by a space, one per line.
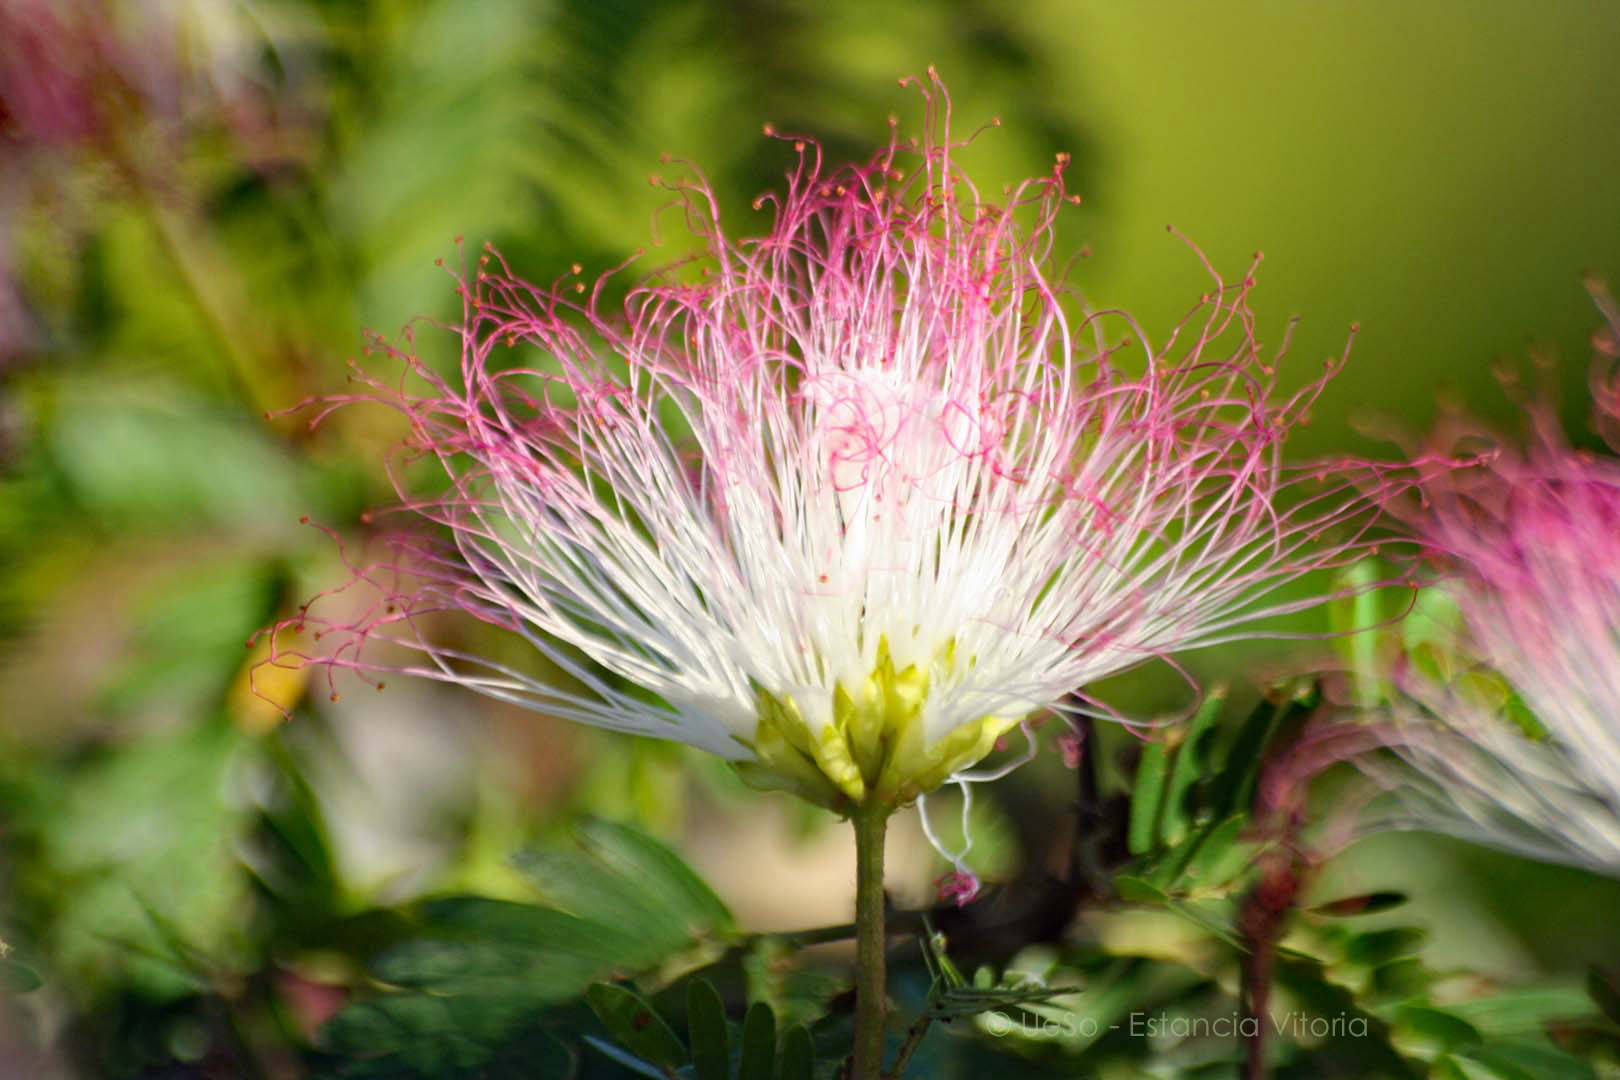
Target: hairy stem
870 999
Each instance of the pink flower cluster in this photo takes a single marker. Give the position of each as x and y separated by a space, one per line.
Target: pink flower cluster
1527 748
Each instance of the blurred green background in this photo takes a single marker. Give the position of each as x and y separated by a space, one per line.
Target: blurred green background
202 204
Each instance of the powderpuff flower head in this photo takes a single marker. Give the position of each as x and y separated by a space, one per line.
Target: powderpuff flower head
846 502
1523 751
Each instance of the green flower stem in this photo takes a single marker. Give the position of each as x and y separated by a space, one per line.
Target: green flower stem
871 1002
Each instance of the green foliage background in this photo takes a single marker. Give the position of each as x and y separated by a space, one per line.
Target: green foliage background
263 180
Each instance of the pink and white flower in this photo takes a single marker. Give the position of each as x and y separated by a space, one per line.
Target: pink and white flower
848 501
1523 752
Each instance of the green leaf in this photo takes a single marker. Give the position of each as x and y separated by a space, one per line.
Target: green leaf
1429 1033
797 1060
123 855
293 861
186 625
1604 988
584 886
634 1023
149 454
433 1035
1447 1068
1136 890
1147 796
1234 785
706 1026
479 968
1362 904
661 871
1525 1060
795 992
958 1002
1221 854
1190 766
1400 980
473 945
17 977
1524 1012
1383 946
758 1043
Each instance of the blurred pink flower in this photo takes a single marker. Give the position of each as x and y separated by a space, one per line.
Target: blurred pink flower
52 56
1526 751
103 96
846 502
102 71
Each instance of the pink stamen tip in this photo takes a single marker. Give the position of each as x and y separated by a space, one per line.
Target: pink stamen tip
959 887
1070 746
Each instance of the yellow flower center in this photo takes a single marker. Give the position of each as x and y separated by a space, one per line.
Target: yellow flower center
874 751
